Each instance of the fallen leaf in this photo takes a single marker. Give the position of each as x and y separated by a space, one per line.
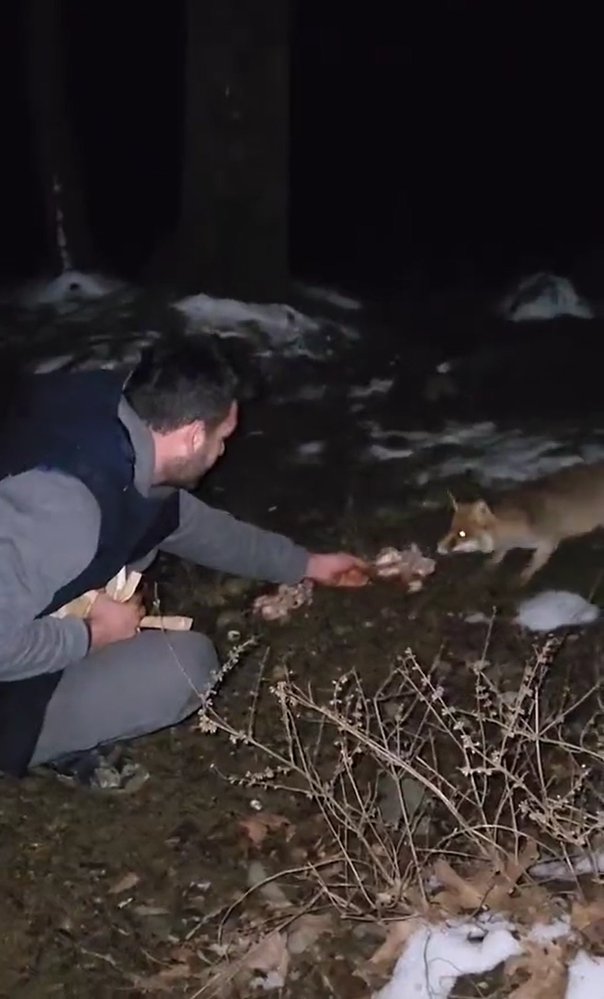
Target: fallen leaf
397 937
306 930
588 919
545 965
125 883
164 980
270 955
256 827
461 893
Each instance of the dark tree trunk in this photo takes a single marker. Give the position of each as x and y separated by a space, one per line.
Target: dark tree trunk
232 236
67 231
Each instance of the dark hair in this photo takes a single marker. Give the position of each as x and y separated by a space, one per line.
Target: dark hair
181 381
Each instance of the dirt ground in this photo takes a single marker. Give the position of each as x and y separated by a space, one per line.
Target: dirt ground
105 897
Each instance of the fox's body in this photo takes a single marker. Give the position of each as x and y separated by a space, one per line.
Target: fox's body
567 504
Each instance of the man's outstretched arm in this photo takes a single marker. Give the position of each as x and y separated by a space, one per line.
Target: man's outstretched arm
217 540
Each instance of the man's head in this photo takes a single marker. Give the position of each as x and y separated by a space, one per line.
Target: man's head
185 392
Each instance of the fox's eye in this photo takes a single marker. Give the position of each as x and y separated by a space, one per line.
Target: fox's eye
462 534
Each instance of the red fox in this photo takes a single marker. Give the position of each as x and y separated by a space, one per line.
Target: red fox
567 504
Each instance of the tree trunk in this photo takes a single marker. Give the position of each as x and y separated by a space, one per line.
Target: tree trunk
232 234
67 232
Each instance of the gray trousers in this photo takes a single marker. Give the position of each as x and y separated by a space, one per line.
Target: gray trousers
127 689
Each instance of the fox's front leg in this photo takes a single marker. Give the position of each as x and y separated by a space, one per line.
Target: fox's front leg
541 556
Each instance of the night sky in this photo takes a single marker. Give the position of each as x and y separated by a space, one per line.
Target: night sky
459 140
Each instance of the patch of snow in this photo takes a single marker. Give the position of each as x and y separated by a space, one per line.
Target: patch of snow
477 618
332 297
310 450
585 977
444 368
66 292
567 870
377 386
555 609
490 454
544 296
278 321
436 956
286 329
384 452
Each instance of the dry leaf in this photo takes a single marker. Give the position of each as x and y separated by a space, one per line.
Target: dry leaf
256 827
486 886
461 893
388 953
269 956
306 930
545 966
164 980
588 919
125 883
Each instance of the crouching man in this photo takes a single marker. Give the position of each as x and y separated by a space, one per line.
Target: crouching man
94 476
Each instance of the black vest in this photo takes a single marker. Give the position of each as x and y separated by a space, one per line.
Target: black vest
68 422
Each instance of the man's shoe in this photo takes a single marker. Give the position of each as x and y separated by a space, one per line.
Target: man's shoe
106 768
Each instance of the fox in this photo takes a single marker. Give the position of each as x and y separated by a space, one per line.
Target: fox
566 504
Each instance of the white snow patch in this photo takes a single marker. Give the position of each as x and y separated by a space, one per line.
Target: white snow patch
286 329
377 386
568 869
555 609
477 618
310 450
383 452
489 453
544 296
332 297
66 292
277 320
436 956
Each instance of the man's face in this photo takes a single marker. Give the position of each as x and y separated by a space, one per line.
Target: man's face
199 448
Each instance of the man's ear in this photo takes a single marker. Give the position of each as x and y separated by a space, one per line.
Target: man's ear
197 435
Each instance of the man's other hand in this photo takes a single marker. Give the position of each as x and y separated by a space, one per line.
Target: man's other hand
111 621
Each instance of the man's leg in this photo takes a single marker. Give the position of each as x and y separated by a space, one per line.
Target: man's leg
127 690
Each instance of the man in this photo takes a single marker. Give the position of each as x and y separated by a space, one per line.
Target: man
94 476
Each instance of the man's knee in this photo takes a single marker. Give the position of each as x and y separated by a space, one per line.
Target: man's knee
196 657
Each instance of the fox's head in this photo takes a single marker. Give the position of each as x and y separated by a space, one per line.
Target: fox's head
471 529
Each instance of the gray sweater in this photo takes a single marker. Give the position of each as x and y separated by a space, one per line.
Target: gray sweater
49 529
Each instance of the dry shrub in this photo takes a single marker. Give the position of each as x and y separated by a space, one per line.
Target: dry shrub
499 775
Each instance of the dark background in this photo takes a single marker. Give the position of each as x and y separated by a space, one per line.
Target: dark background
446 142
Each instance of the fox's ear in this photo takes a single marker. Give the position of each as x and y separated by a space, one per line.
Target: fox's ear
452 499
482 509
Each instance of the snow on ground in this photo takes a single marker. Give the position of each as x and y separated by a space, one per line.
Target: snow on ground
436 956
332 297
287 329
489 453
544 296
555 609
377 386
66 292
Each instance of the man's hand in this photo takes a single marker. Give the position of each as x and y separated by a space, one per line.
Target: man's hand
111 621
339 569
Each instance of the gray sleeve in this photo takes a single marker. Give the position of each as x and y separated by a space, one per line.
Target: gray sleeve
49 528
215 539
